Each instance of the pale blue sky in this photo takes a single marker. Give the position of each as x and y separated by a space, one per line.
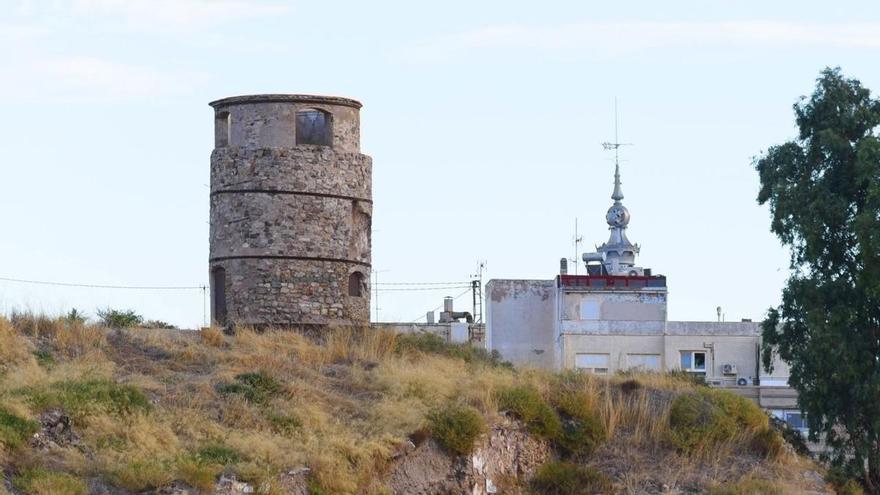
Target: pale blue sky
484 121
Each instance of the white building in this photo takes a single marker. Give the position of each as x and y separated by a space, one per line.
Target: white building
615 319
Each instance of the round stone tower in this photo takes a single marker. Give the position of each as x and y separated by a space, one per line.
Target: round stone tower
291 209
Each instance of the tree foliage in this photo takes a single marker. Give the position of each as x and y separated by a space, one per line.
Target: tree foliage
823 189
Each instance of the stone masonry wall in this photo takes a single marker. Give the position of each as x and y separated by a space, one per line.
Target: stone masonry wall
290 223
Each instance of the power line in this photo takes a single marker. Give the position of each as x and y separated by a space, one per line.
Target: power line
409 289
422 283
98 286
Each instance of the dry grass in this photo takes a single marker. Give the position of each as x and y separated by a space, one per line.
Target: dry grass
340 407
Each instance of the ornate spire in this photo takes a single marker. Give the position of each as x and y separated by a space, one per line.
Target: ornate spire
617 195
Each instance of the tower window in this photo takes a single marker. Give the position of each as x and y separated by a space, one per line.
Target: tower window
356 284
314 127
218 291
222 121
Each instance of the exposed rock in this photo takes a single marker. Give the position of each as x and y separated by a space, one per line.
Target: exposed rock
56 432
506 453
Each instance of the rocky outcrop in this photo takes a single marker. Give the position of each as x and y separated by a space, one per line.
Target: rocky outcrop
505 457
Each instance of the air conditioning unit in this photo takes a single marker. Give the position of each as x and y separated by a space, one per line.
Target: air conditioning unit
728 369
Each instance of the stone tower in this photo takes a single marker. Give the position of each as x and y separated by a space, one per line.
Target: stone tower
291 209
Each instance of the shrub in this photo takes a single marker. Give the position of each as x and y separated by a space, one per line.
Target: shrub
158 324
429 343
706 417
457 427
748 486
256 387
526 404
212 336
15 431
39 481
582 430
197 474
141 474
218 454
792 436
580 436
114 318
769 443
76 316
79 398
44 358
283 424
564 478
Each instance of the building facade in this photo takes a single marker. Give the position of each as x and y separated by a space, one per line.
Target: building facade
291 210
614 319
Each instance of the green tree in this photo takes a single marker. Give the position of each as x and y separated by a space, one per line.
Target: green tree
823 189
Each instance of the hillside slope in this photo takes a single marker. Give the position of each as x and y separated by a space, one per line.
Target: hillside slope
85 409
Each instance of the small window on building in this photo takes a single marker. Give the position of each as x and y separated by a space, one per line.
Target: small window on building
222 127
592 363
795 420
694 362
643 362
314 127
356 284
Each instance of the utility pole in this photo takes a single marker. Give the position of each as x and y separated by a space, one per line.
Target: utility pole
477 292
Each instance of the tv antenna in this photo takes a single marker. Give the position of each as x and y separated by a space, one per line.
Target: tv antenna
577 240
616 144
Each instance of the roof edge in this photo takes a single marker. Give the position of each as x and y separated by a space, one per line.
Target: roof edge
285 98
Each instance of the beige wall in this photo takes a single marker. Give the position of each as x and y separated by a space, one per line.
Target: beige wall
616 346
521 321
614 305
737 350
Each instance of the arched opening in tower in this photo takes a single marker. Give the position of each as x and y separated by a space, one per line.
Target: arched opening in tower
218 291
356 284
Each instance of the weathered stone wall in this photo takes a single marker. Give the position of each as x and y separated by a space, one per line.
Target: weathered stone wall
290 223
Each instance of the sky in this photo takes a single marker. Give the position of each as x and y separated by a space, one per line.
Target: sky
484 120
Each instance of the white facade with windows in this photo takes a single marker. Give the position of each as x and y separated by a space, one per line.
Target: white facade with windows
614 319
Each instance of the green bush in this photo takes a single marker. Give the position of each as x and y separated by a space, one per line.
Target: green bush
565 478
456 427
79 398
256 387
526 404
708 416
162 325
75 316
114 318
430 343
580 436
15 431
219 454
749 486
582 430
44 358
39 481
283 424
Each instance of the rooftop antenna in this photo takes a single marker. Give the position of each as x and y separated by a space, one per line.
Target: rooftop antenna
618 194
577 241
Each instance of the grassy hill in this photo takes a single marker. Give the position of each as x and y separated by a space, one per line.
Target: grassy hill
85 409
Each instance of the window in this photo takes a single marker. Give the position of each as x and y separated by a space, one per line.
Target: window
694 362
314 127
795 420
645 362
222 121
218 293
592 363
356 284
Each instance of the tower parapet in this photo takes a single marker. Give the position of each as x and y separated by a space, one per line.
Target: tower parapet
291 212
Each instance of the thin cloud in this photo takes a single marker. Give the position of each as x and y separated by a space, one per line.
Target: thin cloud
170 14
612 38
91 78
